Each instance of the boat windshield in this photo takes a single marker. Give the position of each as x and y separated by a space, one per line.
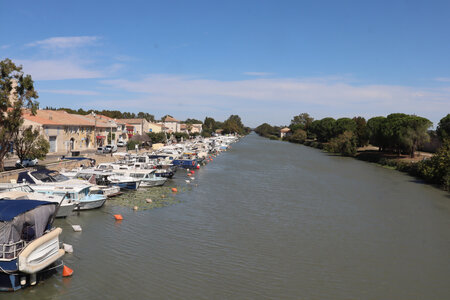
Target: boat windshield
52 176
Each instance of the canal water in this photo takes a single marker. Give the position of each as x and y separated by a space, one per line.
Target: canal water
266 220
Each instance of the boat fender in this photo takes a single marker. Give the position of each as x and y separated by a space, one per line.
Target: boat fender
118 217
174 190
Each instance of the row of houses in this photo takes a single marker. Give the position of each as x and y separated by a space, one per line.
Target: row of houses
72 132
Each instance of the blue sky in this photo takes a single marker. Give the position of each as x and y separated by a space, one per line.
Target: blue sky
263 60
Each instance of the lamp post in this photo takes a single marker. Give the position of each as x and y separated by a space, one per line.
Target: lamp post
95 128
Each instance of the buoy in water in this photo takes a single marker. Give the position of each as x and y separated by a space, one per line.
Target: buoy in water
76 228
148 200
189 174
118 217
68 248
198 167
187 181
135 208
192 172
174 190
67 271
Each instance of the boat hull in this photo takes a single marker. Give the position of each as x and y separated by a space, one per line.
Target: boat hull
91 204
159 181
65 210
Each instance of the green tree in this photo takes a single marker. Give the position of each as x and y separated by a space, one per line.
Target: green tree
414 133
362 135
324 129
233 125
16 92
193 121
437 168
344 124
209 125
345 144
374 130
299 136
157 137
31 144
302 121
443 128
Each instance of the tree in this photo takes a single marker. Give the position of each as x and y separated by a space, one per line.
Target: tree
362 135
374 129
443 128
209 125
233 125
16 92
345 144
299 136
31 144
157 137
324 129
414 133
302 121
193 121
344 124
147 116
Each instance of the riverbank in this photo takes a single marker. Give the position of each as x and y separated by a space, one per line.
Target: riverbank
433 169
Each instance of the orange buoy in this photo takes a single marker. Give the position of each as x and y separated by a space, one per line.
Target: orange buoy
192 172
174 190
198 167
67 271
118 217
189 174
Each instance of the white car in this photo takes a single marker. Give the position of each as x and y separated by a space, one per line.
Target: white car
121 144
110 149
26 163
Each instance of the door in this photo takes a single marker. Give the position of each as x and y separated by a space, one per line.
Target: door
52 140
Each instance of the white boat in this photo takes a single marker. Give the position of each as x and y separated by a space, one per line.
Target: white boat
28 243
25 192
80 194
148 177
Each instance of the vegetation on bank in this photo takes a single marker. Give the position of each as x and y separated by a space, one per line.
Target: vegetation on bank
395 136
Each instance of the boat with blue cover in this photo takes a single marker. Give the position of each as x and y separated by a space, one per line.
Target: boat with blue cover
29 245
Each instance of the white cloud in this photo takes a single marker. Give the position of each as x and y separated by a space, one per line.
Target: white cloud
58 69
285 96
71 92
3 47
257 73
443 79
64 42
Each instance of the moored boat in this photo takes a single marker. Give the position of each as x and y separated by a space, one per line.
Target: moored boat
29 245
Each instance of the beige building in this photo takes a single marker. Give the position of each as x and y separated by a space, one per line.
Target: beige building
65 132
171 125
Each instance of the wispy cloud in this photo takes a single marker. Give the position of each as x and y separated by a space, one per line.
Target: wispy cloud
58 69
284 96
65 42
3 47
257 73
443 79
71 92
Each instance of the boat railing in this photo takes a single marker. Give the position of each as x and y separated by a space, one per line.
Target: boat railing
10 251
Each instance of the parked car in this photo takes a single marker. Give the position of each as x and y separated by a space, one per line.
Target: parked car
121 144
28 162
100 150
110 149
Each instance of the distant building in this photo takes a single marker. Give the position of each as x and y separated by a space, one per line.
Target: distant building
284 132
68 132
171 124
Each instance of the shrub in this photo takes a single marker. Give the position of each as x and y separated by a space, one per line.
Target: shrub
345 144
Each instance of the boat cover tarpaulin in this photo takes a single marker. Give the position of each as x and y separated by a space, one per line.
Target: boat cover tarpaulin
15 214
